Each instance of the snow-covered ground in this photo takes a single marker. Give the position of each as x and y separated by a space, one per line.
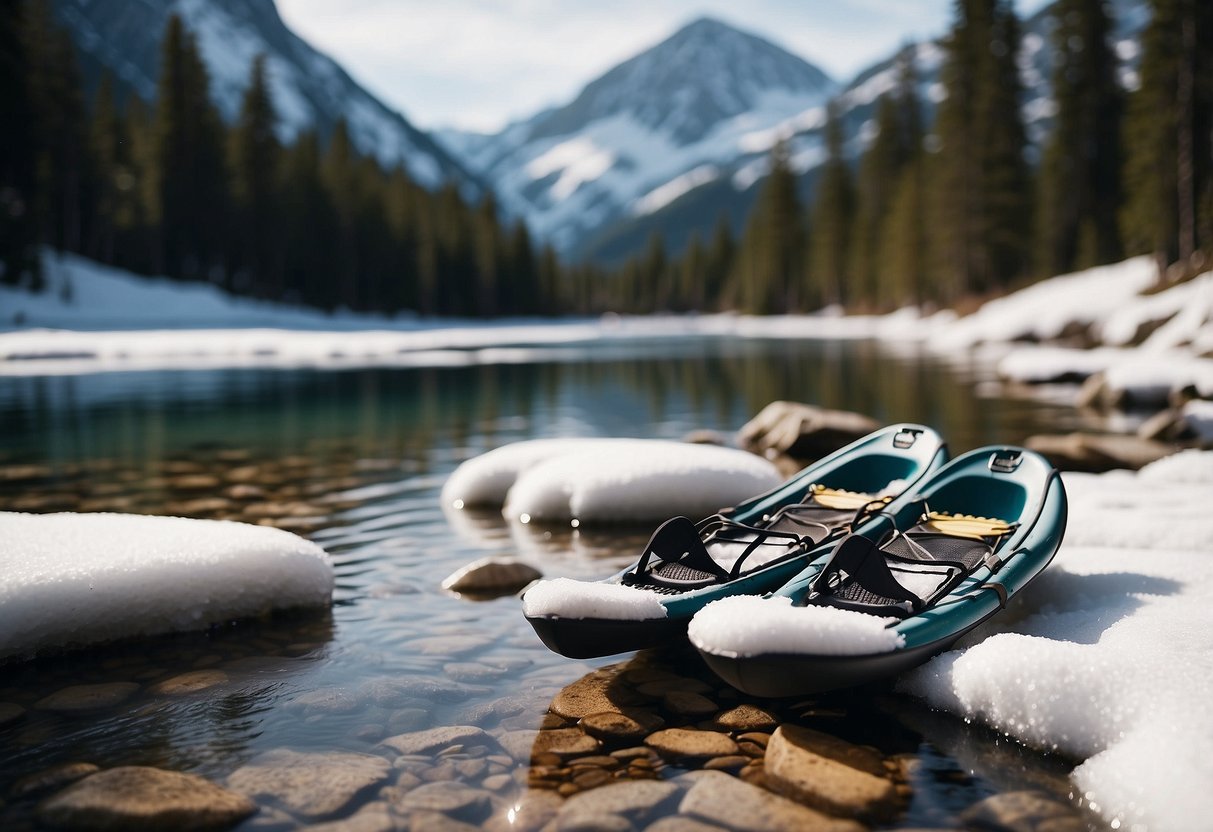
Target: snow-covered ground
77 579
1108 656
1148 344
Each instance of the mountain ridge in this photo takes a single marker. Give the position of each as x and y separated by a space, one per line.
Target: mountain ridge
310 89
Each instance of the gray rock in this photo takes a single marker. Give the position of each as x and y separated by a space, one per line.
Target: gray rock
1022 812
87 697
802 431
311 785
720 798
434 739
685 743
593 823
192 682
438 822
1098 452
138 798
830 774
491 576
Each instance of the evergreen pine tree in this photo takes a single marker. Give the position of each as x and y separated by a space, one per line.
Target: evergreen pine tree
982 198
831 220
1167 135
19 227
1080 173
188 171
256 158
767 270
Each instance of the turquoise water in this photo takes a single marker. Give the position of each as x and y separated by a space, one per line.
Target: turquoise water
396 653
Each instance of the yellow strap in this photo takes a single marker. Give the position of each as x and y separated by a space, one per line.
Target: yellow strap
966 525
838 498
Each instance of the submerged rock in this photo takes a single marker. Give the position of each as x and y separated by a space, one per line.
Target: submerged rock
10 712
55 777
1022 812
79 698
139 797
434 739
720 798
802 431
491 576
191 682
682 742
830 774
632 800
308 784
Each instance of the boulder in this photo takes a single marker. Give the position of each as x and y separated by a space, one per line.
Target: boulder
1096 453
139 797
802 431
491 577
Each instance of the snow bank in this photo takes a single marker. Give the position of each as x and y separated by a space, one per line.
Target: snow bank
585 599
75 579
1044 310
1108 656
746 625
636 479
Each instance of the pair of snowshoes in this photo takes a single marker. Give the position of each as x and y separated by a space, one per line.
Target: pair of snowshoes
864 564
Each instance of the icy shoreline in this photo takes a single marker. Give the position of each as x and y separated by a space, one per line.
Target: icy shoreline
1149 344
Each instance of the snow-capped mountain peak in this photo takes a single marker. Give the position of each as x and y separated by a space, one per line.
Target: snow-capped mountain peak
646 131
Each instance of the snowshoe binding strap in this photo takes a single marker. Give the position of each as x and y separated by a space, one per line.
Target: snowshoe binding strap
858 576
683 559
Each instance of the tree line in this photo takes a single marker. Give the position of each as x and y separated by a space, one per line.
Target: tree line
941 212
930 213
170 189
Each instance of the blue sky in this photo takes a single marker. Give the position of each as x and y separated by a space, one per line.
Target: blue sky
477 64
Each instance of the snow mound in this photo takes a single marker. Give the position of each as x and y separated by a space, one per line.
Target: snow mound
485 480
636 479
745 625
1108 656
74 579
568 598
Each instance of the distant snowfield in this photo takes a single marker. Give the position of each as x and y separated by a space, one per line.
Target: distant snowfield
115 321
68 580
1108 656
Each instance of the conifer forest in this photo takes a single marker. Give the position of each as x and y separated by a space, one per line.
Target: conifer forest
928 212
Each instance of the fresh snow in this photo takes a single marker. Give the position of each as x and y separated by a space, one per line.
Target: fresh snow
585 599
74 579
605 480
1108 656
637 479
746 625
485 480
